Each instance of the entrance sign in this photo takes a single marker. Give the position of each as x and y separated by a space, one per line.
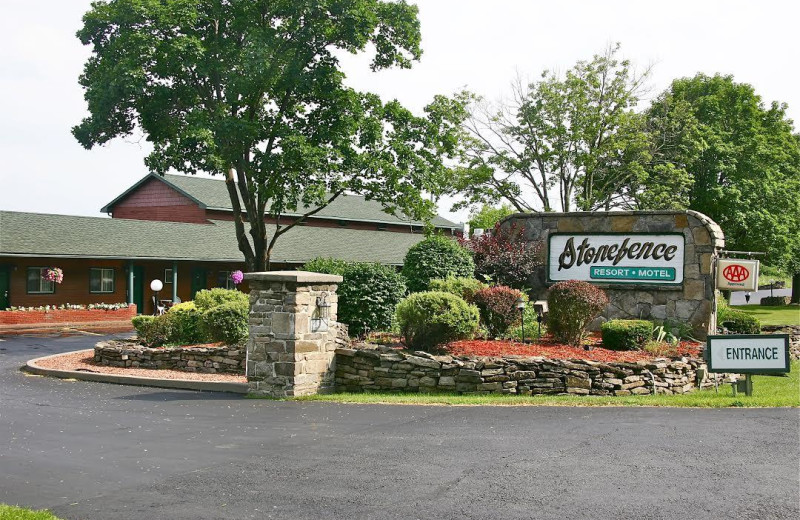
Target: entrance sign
737 275
645 258
748 353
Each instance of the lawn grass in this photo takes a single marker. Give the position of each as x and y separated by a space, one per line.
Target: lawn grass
20 513
773 315
768 391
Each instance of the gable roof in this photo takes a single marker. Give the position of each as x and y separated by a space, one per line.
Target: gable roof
66 236
212 194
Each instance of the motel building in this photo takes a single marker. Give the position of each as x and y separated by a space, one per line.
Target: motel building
178 229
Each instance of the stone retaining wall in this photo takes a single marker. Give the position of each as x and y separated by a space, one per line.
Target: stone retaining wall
211 360
386 369
794 336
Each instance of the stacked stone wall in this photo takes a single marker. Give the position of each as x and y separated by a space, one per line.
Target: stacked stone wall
210 360
794 336
359 370
690 302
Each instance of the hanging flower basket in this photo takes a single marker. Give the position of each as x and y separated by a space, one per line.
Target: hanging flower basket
53 274
237 277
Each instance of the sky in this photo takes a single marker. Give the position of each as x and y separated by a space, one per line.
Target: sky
478 45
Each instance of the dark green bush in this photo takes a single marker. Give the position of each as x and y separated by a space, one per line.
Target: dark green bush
462 287
738 322
368 296
326 265
152 331
626 334
573 304
774 301
227 322
436 257
428 319
209 298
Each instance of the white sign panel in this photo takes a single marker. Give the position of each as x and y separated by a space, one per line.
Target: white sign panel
748 354
644 258
737 275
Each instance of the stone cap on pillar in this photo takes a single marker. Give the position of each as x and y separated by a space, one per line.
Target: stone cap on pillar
304 277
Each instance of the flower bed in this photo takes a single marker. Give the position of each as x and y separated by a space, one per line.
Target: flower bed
67 314
210 359
385 368
554 350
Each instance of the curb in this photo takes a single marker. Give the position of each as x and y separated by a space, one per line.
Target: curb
182 384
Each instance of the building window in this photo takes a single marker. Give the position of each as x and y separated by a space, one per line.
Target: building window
224 280
101 280
167 276
37 284
381 227
342 223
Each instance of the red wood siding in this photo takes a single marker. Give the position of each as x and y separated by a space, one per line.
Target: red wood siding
154 200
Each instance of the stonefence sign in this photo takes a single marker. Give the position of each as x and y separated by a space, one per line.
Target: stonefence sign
617 258
748 353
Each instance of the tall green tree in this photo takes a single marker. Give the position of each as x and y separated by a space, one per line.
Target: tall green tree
743 159
487 216
252 90
560 143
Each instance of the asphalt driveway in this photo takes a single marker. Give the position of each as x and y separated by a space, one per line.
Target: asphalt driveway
98 451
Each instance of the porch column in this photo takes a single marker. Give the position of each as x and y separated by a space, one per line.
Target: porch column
130 284
174 282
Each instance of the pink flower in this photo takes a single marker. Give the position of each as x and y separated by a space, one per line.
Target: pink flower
54 274
237 277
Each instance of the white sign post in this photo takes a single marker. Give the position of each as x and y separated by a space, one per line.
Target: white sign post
748 354
616 258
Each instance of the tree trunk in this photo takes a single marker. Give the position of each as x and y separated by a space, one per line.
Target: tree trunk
796 288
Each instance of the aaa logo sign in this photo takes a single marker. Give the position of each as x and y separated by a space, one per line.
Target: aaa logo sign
737 275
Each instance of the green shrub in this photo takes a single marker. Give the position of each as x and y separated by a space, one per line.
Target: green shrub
572 305
738 322
462 287
428 319
368 296
774 301
626 334
325 265
227 323
436 257
152 331
185 323
142 324
209 298
498 308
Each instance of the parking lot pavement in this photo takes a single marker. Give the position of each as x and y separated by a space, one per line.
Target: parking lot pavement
98 451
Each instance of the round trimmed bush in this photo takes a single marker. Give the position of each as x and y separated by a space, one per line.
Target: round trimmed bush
185 324
428 319
738 322
462 286
209 298
368 296
227 322
626 334
573 304
498 308
436 257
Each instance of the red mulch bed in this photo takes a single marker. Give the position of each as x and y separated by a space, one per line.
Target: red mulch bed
548 348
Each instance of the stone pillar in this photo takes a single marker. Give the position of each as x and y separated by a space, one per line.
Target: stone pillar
291 347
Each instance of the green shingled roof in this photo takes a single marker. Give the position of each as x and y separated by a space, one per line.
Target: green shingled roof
37 234
213 194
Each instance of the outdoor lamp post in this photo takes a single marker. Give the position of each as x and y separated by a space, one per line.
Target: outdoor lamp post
155 286
520 304
539 319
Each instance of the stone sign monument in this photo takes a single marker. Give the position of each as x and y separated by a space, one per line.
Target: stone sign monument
652 264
